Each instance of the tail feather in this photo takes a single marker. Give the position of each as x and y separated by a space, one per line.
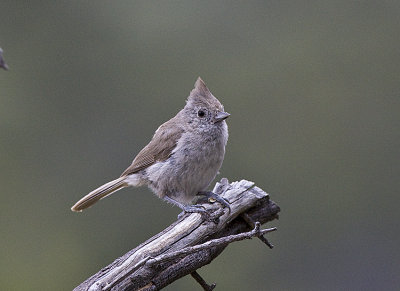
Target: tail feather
100 193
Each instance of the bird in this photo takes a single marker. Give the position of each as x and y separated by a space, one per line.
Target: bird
181 160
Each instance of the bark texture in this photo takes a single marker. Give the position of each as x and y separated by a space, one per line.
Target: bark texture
190 243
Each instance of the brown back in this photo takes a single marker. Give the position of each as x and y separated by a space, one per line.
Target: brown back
160 147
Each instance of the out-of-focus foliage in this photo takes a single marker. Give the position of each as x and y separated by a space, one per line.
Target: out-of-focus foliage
313 88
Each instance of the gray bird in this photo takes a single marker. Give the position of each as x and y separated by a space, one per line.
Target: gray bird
183 157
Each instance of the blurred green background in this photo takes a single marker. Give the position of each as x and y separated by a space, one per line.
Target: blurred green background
314 92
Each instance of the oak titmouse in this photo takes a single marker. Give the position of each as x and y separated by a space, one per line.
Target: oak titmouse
183 157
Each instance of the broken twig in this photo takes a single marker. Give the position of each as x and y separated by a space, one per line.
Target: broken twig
2 61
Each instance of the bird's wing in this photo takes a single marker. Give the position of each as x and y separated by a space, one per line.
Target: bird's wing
159 149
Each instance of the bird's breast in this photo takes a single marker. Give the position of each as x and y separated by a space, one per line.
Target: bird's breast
191 168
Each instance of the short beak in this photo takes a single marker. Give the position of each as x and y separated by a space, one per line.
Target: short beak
221 116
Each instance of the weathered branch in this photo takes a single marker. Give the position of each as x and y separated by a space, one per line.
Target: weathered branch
190 243
209 244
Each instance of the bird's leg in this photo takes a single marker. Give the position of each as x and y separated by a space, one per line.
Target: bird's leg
186 208
213 196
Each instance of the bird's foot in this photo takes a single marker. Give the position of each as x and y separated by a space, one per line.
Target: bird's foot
188 208
193 209
212 197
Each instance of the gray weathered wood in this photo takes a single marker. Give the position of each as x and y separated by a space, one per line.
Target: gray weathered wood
137 270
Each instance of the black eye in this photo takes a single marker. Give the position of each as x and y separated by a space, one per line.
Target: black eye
201 113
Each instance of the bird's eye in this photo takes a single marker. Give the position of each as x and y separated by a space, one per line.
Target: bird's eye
201 113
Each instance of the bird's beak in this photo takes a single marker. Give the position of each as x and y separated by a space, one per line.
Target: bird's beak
221 116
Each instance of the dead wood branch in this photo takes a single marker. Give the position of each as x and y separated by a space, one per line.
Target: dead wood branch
190 243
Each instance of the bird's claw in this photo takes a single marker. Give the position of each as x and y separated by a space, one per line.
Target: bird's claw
193 209
212 197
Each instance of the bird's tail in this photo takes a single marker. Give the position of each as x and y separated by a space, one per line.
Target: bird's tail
99 193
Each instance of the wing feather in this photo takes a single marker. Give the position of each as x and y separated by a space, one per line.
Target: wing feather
160 147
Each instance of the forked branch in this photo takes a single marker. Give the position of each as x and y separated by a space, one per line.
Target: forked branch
190 243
